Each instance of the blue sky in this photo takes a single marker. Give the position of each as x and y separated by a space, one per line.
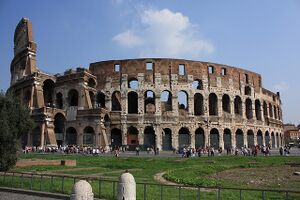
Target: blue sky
259 35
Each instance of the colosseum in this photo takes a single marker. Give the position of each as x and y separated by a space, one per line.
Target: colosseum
161 102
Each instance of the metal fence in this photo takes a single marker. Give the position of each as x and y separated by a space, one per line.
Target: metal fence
107 189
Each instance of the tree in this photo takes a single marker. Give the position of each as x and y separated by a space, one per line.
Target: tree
14 121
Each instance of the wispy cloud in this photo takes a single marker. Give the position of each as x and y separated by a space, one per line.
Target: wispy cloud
281 86
164 33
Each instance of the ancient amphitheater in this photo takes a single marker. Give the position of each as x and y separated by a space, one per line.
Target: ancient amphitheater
167 103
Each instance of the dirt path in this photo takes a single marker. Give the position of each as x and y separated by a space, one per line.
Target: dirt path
159 177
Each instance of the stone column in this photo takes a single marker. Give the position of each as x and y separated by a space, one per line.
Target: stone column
124 134
126 187
255 138
192 135
141 135
233 139
82 190
175 136
245 137
221 138
263 138
158 138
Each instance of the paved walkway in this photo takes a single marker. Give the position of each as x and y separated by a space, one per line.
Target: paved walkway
18 196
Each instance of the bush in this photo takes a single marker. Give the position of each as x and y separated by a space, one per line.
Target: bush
14 121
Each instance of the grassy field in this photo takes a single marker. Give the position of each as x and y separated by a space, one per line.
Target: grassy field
228 171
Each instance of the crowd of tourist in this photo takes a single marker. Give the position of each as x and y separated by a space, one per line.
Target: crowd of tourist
185 152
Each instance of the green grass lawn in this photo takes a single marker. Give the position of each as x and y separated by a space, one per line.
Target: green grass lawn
193 172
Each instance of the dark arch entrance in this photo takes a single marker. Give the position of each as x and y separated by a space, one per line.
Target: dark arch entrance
59 100
184 139
116 137
277 138
250 138
239 138
259 138
132 137
88 136
199 138
213 104
100 100
149 137
36 137
267 138
198 104
48 91
73 97
132 103
71 136
59 128
227 138
167 139
214 138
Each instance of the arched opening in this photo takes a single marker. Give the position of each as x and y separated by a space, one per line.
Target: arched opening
132 137
59 100
226 103
116 138
48 91
116 101
239 138
265 110
36 137
248 91
273 139
198 104
132 103
270 110
149 102
259 138
107 121
91 83
275 112
227 138
133 83
100 100
166 101
267 138
184 139
258 109
277 140
249 112
71 136
92 98
167 139
73 97
214 138
59 128
213 104
238 110
149 137
182 100
199 138
197 84
250 138
88 136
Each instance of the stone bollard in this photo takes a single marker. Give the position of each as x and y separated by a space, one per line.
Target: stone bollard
126 187
82 190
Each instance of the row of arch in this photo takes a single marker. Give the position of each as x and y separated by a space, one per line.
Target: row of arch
99 100
184 138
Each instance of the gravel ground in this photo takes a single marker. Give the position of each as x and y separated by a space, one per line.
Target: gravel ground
17 196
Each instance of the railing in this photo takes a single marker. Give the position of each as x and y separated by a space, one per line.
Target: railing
108 188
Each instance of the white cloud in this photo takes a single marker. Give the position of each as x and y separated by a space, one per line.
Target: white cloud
163 33
128 39
281 86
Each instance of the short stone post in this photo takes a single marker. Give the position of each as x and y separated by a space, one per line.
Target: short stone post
126 187
82 190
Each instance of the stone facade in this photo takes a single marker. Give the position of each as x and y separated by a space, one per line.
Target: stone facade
164 103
